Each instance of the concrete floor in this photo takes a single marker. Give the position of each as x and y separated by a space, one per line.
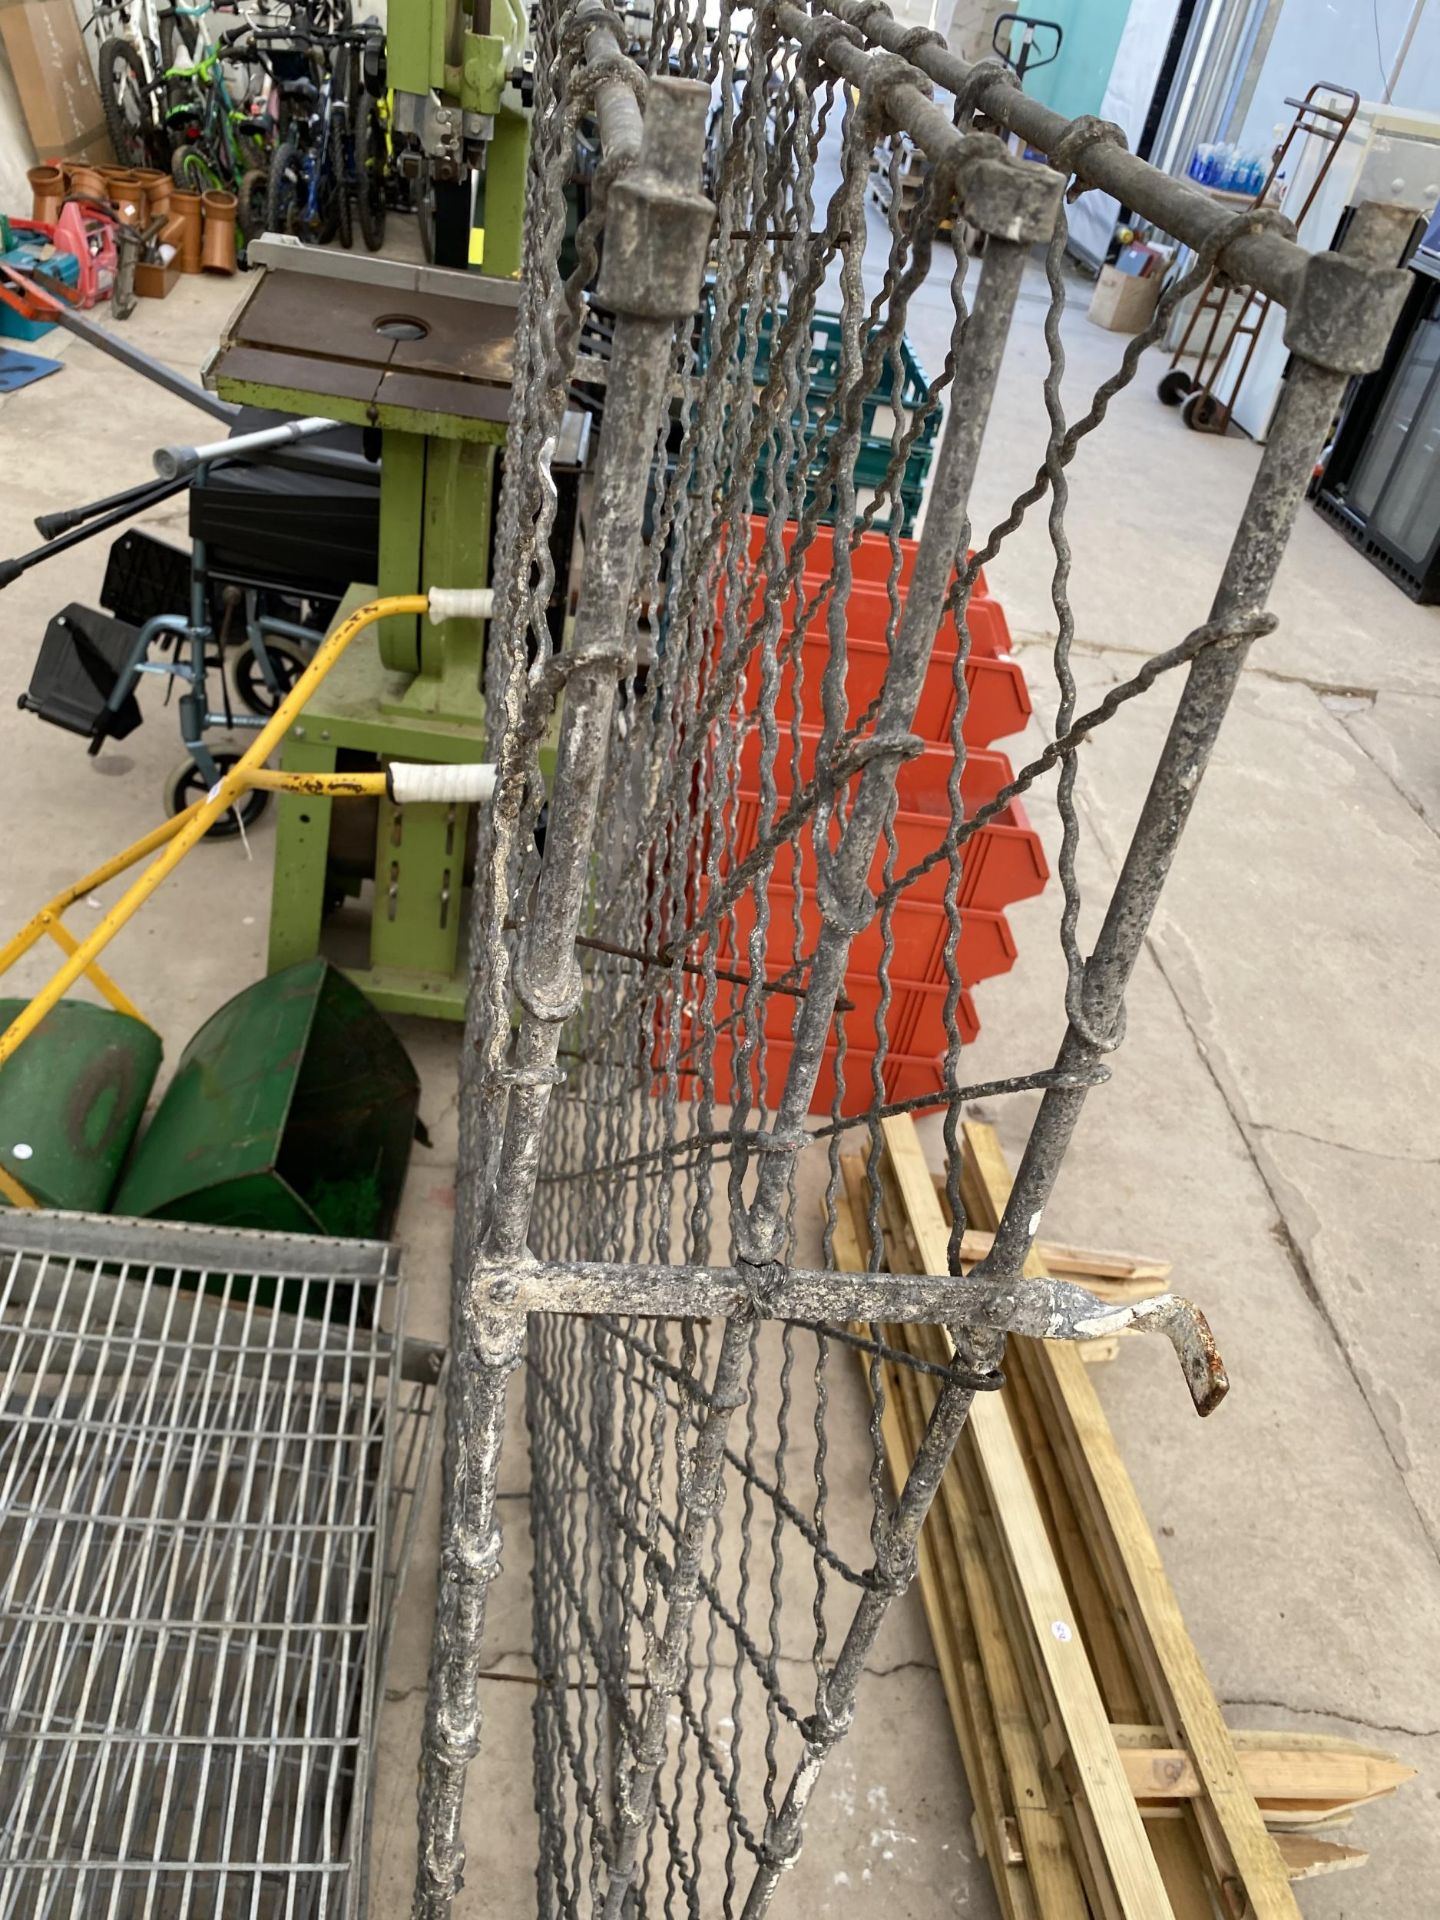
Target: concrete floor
1271 1125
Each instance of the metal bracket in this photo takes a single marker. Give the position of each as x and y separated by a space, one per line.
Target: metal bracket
1038 1309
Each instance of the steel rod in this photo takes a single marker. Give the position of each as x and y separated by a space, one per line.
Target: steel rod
1264 260
651 283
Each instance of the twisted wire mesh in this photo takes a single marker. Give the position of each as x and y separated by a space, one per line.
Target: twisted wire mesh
705 1594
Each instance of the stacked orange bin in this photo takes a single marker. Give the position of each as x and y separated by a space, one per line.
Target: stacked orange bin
1003 862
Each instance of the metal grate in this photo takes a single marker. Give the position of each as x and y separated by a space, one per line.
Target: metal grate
696 923
205 1445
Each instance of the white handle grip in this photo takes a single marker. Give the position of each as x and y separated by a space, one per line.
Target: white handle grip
409 783
461 603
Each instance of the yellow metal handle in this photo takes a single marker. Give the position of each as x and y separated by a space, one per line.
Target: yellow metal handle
176 837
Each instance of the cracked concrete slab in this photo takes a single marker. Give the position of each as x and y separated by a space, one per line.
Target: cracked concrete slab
1368 1229
1300 922
1400 736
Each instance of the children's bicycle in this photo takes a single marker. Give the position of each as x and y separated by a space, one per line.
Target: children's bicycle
219 143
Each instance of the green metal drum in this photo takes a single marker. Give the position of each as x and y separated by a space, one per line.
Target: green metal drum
292 1109
71 1099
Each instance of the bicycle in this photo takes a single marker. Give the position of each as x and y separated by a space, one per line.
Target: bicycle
218 144
372 140
302 197
131 65
334 166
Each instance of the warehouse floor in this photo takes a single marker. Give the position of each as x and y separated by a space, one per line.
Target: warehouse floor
1271 1127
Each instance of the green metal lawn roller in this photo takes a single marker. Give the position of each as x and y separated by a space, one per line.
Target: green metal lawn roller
71 1100
292 1109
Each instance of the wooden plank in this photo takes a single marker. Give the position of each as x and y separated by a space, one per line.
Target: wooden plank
993 1804
1100 1776
1043 1838
1305 1857
1136 1735
1113 1673
1230 1821
1271 1773
1143 1273
956 1655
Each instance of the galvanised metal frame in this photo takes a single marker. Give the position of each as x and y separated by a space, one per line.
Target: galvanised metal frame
553 1135
211 1451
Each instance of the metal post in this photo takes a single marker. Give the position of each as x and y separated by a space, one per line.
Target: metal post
657 231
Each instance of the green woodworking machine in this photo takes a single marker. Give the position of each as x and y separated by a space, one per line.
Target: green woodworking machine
421 356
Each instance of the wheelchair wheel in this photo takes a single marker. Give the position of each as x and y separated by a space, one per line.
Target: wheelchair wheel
187 784
289 660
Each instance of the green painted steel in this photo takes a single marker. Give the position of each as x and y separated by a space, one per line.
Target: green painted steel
292 1109
402 508
360 413
361 716
71 1099
414 45
506 158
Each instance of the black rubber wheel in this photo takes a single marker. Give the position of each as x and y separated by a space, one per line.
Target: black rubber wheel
344 223
129 118
1174 386
289 660
253 203
1203 413
191 171
371 159
179 33
187 784
285 191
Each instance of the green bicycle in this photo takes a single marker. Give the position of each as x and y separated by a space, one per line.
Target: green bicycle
217 143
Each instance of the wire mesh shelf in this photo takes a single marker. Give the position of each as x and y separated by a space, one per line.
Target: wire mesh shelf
205 1509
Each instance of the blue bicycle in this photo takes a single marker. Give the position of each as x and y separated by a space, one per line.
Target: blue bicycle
330 165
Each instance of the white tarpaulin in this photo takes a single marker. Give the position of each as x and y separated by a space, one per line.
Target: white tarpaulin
1127 102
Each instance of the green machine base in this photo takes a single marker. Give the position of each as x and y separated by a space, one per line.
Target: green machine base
425 356
359 717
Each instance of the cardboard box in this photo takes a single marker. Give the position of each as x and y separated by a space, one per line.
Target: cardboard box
1124 302
54 80
153 282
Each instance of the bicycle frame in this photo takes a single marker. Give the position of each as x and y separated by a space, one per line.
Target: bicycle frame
219 120
313 156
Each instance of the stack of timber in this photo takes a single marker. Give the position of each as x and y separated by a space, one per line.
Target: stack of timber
1105 1779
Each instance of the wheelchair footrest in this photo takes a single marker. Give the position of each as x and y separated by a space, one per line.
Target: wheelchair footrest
79 665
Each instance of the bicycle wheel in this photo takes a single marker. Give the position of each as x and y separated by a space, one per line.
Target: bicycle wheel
285 194
193 171
371 159
125 97
254 149
253 203
342 182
